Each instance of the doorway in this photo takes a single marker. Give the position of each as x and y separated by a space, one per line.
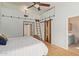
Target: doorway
47 31
27 29
73 33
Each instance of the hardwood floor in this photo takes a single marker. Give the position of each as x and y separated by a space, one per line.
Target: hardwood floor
57 51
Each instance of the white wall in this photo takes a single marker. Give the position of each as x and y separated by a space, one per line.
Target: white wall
13 27
59 27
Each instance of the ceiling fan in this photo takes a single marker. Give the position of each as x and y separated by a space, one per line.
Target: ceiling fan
38 4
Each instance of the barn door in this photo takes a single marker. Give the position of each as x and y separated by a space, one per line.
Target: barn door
47 31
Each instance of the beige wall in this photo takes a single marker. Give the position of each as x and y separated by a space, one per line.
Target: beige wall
75 25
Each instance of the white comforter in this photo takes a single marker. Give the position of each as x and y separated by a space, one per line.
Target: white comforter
23 46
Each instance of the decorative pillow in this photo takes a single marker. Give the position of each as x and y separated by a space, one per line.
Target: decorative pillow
4 36
3 39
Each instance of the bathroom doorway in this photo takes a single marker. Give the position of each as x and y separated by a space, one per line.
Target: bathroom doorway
73 33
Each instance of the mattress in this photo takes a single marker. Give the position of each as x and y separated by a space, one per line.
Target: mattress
23 46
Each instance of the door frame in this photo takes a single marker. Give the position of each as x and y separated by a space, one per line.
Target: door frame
26 23
47 29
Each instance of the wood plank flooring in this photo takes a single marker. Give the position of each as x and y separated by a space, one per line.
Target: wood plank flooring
57 51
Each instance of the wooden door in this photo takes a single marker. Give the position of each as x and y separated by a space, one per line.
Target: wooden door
47 29
27 30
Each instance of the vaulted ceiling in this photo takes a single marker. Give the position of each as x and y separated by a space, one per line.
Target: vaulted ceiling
22 5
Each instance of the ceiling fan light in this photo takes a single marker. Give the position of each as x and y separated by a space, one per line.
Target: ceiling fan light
25 8
36 5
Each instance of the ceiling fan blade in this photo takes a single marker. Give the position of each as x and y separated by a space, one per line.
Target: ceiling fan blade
34 2
43 4
30 6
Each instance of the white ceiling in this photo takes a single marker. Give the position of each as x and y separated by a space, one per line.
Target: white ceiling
22 5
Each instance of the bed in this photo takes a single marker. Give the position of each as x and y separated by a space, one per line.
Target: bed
23 46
